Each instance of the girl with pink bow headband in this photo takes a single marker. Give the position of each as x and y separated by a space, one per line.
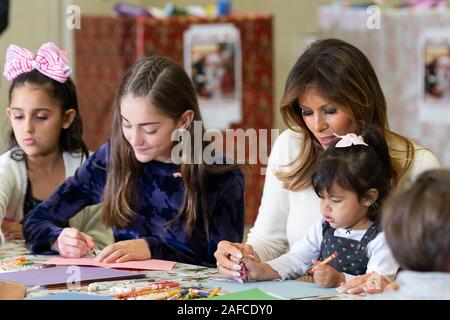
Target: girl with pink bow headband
46 142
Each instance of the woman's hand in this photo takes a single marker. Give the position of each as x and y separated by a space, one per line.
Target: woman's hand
326 276
12 230
123 251
370 283
230 254
72 243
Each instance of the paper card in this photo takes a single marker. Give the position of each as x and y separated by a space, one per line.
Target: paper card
291 289
71 276
151 264
251 294
73 296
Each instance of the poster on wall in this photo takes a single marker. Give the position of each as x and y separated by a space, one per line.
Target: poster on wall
212 58
434 76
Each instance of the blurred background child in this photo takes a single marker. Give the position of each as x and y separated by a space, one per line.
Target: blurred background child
417 226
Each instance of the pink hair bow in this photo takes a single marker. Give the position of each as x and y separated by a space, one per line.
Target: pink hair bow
349 139
49 60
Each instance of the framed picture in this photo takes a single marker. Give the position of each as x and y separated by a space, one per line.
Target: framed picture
434 76
212 58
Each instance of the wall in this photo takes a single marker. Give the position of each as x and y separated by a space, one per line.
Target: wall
294 25
293 20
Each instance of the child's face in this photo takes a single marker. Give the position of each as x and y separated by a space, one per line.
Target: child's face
36 120
342 209
147 129
323 119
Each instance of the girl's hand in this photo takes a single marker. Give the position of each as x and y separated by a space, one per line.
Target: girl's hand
72 243
123 251
229 255
326 276
12 230
370 283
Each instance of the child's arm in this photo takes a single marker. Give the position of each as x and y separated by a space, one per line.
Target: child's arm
297 261
260 270
43 225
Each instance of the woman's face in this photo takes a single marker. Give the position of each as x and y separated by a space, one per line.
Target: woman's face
147 129
37 120
324 119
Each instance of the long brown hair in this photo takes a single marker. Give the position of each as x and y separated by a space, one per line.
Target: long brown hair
343 76
169 89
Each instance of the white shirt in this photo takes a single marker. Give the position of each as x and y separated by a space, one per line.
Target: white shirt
297 261
285 216
13 185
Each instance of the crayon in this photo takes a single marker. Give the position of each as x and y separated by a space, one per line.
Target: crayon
329 259
326 261
214 292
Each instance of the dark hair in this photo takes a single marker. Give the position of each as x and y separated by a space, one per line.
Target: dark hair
357 168
169 89
70 139
416 222
343 76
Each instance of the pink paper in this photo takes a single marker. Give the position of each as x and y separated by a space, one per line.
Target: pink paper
151 264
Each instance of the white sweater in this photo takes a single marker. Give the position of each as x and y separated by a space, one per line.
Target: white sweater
285 216
13 184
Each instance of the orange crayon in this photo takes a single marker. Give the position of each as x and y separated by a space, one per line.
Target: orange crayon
326 261
330 258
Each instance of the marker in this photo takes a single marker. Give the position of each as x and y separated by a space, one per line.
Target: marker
244 271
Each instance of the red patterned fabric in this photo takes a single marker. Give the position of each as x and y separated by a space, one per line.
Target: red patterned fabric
106 47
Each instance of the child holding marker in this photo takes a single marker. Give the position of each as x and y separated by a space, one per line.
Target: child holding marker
352 179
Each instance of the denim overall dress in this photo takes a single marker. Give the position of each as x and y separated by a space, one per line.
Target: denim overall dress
352 254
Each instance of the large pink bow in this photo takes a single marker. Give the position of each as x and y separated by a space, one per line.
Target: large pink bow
349 139
49 60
